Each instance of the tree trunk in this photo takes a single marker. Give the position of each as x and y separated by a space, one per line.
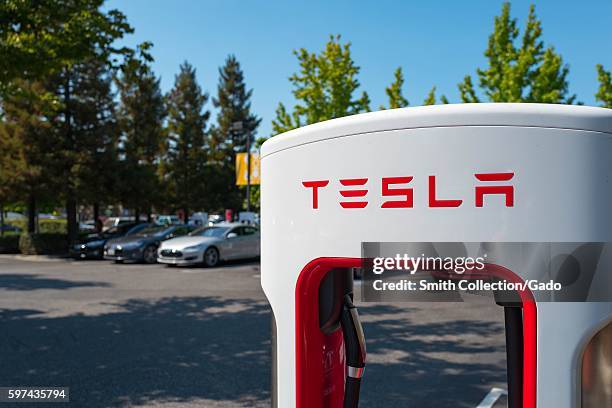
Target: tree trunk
71 216
1 219
31 214
185 215
71 210
149 217
137 214
96 211
96 217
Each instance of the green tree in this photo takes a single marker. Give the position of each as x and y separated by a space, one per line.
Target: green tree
51 41
233 102
43 37
25 144
324 87
85 135
522 71
394 91
604 93
431 97
184 168
141 116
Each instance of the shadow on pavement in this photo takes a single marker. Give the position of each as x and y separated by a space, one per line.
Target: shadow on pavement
431 364
173 349
33 282
207 348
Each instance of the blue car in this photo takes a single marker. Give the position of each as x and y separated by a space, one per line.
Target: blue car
92 247
142 246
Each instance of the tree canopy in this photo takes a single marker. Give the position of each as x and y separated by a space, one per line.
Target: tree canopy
324 88
519 71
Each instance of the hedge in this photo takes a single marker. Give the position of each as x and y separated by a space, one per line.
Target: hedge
9 244
43 244
45 226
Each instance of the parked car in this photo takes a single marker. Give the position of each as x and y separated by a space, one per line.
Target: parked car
198 219
209 245
142 246
167 219
87 226
116 221
215 219
92 247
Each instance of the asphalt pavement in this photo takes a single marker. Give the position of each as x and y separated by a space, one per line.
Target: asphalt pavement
154 336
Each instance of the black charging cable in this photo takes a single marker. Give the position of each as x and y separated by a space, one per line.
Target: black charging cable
354 344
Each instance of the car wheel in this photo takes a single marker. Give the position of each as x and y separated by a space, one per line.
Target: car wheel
150 254
119 261
211 257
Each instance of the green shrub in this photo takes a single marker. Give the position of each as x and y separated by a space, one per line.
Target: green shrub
45 226
43 244
9 244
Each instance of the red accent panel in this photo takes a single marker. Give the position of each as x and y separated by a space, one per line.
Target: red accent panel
311 343
315 190
311 382
391 192
434 202
354 182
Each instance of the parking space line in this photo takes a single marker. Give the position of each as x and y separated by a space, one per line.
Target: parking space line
491 398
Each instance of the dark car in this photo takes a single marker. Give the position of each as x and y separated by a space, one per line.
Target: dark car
142 247
92 247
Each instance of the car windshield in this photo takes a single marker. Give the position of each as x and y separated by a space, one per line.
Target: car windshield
210 232
153 231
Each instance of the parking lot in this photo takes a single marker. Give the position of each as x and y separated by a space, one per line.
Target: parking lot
147 335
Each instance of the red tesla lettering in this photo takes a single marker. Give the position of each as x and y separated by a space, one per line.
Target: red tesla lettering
353 193
507 190
434 202
402 192
315 190
392 192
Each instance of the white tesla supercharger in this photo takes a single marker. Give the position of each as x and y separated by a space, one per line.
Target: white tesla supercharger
464 173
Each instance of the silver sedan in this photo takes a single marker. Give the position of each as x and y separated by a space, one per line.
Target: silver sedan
209 245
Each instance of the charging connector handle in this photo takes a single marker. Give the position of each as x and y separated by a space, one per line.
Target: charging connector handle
354 343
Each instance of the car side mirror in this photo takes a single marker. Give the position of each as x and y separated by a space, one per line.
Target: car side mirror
232 235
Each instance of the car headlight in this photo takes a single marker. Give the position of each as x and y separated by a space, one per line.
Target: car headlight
192 248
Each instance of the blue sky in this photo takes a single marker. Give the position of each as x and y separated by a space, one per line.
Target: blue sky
436 43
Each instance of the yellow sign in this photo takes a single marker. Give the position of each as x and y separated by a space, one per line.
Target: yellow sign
241 169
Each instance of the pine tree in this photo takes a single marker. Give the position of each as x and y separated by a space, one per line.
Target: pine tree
431 97
604 93
233 102
184 168
84 135
25 143
324 88
141 118
524 72
394 91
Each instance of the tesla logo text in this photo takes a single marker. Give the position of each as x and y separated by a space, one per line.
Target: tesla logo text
399 193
